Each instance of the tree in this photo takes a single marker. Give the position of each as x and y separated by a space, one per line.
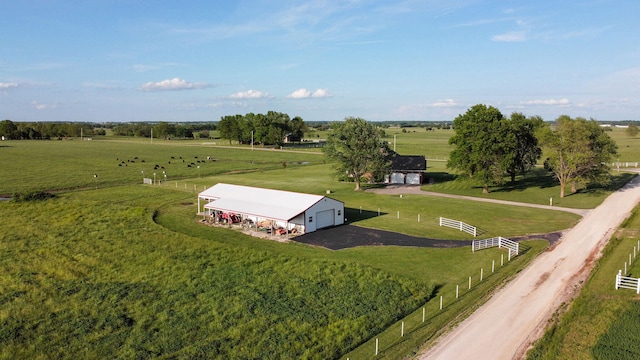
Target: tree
8 129
358 148
577 152
632 130
527 150
484 145
229 127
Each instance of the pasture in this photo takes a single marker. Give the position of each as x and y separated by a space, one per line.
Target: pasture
114 268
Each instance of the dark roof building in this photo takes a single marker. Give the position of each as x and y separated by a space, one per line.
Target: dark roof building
406 169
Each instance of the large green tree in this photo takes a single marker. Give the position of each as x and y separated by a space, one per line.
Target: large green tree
527 151
484 145
357 147
577 152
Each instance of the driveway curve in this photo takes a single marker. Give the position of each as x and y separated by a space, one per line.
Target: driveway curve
505 326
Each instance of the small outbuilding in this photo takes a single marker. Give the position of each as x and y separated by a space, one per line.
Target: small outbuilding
406 169
270 210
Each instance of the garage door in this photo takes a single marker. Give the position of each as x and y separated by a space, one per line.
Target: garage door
397 178
413 179
324 219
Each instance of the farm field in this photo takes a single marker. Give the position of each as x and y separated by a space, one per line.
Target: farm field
128 269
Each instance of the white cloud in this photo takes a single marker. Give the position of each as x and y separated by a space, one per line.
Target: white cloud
511 36
305 94
249 94
172 84
38 106
445 103
8 85
547 102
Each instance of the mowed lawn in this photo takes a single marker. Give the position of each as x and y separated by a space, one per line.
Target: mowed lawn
114 268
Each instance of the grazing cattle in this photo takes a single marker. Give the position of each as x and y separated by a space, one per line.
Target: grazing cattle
188 165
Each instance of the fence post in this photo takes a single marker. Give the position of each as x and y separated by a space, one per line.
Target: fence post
423 314
473 246
481 271
501 259
457 291
376 346
440 302
441 225
469 282
493 265
618 279
474 231
402 330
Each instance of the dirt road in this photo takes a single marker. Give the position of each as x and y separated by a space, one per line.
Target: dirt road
504 327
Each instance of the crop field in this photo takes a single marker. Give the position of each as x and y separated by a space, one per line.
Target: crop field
114 268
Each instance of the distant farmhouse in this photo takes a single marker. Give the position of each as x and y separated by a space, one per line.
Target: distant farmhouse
407 169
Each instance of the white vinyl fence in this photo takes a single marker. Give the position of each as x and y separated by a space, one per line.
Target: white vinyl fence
459 225
625 282
514 247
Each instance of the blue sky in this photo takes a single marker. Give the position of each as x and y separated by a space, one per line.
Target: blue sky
145 60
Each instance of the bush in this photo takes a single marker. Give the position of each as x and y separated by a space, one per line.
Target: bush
32 196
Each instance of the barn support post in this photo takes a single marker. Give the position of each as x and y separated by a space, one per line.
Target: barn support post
198 204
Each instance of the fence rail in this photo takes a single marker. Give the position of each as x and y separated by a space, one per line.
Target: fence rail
455 224
626 164
499 241
625 282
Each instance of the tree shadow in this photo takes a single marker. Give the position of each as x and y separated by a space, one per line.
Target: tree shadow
539 178
440 177
354 215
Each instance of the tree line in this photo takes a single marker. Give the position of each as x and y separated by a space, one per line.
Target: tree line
272 128
43 130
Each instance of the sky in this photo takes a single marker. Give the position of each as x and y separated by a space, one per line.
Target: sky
183 61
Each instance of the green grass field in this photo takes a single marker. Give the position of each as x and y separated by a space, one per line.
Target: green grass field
114 268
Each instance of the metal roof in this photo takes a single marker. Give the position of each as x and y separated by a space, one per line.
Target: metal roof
268 203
